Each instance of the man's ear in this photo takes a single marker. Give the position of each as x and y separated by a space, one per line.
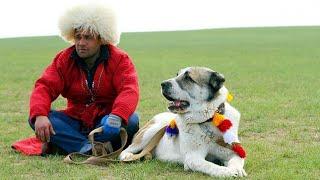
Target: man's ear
216 81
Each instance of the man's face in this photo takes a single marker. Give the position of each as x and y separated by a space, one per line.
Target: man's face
86 44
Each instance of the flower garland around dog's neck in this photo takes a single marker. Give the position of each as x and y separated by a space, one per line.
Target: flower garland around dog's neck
224 126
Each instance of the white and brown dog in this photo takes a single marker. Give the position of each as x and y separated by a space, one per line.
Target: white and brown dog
195 95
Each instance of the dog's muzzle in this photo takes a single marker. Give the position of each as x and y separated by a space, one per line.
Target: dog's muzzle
175 105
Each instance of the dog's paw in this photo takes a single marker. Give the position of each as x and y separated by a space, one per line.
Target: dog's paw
230 173
238 172
241 172
125 156
224 172
236 164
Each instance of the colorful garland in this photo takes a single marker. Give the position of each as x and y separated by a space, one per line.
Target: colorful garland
222 124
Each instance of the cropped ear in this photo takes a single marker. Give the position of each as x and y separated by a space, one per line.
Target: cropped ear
216 81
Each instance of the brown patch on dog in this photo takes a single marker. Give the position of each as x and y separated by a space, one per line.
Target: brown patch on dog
200 75
138 137
189 76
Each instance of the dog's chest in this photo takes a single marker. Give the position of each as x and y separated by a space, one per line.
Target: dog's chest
199 134
209 132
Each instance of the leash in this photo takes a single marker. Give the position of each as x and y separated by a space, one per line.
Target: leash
102 153
146 152
109 156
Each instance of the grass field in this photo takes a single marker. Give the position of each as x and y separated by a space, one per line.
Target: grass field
274 74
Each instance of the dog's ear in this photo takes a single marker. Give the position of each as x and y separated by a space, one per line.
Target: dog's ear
216 80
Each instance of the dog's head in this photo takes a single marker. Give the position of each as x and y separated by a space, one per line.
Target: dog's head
196 92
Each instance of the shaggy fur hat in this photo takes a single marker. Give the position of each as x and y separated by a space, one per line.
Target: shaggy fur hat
94 18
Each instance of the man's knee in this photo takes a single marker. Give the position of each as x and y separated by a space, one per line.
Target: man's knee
55 118
133 123
58 118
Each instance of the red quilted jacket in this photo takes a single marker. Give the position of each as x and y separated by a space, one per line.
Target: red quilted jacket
114 89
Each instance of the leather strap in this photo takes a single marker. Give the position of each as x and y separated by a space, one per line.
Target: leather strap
146 152
77 158
112 157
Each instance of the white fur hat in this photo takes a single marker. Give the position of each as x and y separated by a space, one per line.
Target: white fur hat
93 18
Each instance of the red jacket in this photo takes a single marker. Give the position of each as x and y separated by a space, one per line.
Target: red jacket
115 88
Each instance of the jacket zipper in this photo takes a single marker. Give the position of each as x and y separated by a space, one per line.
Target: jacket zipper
92 99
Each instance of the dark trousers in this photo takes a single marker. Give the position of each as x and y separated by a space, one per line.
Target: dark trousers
71 136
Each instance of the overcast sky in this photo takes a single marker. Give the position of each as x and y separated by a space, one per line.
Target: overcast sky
39 17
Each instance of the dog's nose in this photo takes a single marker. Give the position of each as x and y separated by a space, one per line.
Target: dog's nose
166 85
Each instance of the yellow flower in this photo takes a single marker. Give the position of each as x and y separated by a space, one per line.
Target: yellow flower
229 97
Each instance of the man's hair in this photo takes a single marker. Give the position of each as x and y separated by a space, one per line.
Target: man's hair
88 30
97 19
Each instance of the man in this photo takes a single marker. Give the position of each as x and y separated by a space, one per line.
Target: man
98 80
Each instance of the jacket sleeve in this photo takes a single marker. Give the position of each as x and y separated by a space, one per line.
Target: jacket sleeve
47 88
125 81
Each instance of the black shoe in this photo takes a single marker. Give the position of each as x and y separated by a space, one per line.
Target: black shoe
49 148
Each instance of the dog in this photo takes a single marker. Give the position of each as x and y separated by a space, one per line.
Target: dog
194 96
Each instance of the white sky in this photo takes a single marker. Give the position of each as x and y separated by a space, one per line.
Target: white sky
39 17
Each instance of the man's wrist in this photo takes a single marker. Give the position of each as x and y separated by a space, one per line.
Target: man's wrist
114 121
40 118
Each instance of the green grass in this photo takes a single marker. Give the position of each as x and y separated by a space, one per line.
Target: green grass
272 72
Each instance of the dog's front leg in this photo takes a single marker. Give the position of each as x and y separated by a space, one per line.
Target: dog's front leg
196 162
237 163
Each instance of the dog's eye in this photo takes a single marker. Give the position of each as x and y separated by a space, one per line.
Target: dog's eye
188 78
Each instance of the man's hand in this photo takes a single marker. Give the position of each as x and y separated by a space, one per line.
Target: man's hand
43 128
111 124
